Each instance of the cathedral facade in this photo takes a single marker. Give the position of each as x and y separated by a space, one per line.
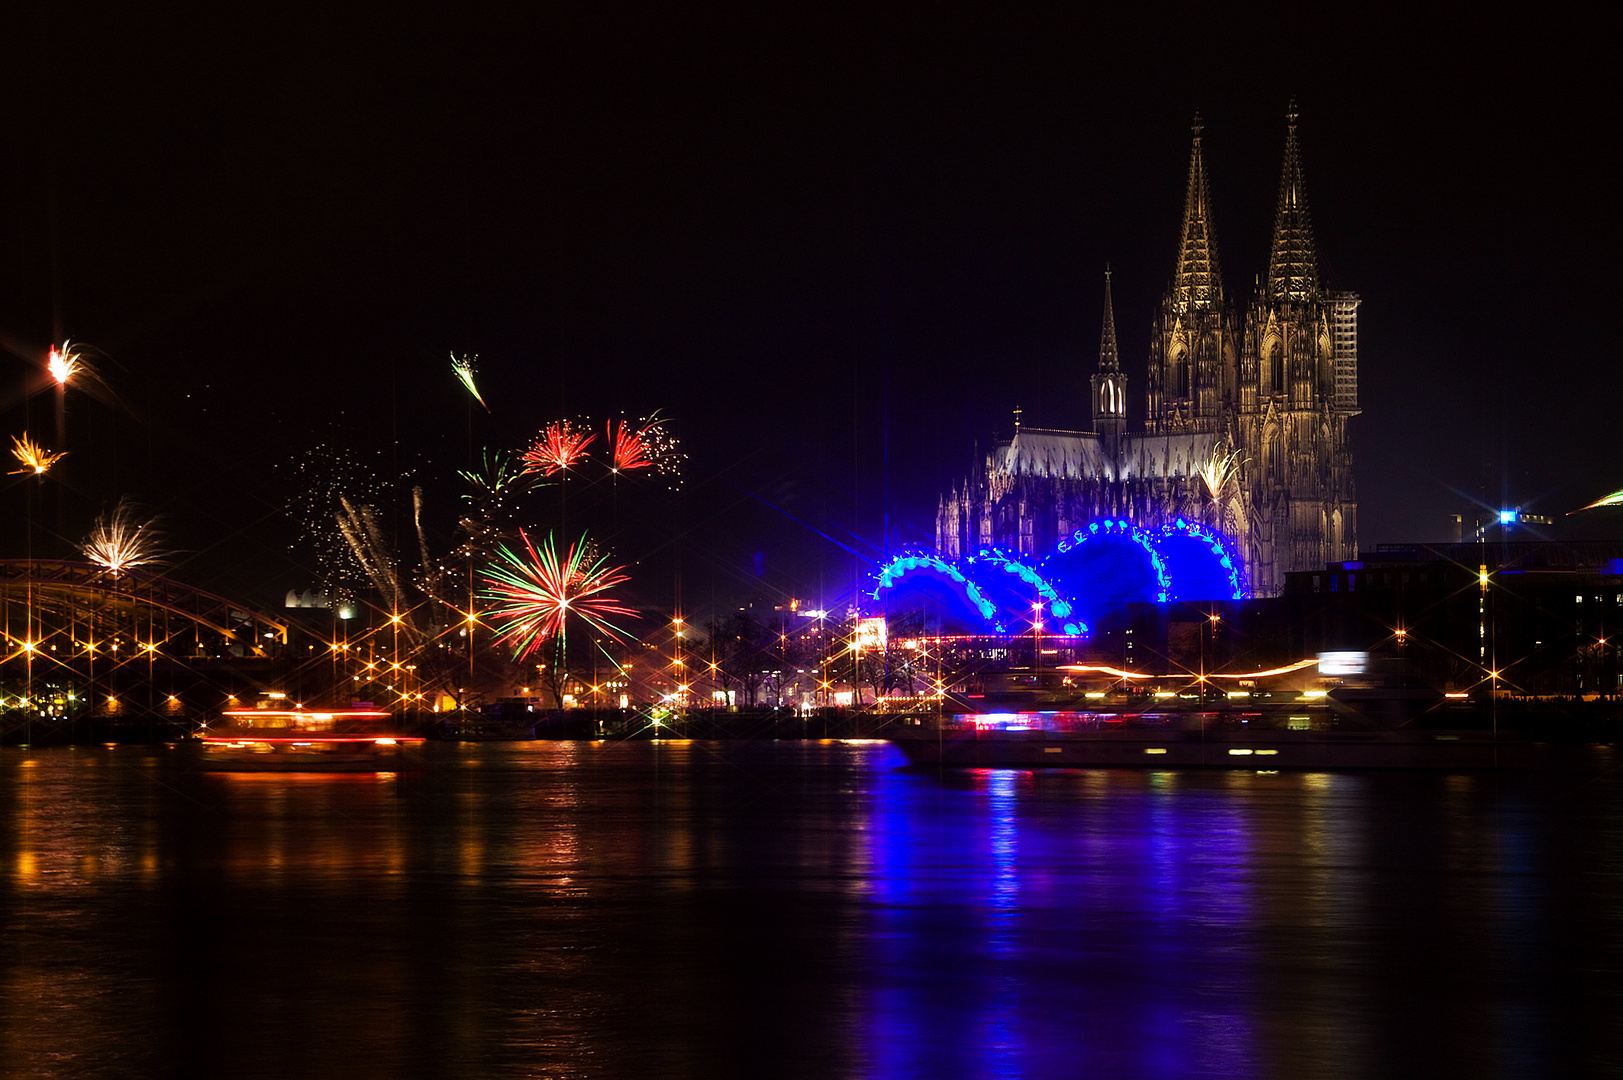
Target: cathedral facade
1246 427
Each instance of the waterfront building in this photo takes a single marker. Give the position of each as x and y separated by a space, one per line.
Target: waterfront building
1246 429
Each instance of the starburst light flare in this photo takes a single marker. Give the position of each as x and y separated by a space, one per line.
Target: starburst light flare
121 541
559 446
35 458
535 593
466 367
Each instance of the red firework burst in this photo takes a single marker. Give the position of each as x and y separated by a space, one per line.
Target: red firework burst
561 445
631 446
536 592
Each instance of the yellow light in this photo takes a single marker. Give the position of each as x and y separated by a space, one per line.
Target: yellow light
1155 749
1241 753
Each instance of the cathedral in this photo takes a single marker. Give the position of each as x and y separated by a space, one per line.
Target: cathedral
1246 430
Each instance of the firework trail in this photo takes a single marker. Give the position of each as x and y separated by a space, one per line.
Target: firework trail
1614 499
121 541
35 458
560 446
536 592
466 367
359 526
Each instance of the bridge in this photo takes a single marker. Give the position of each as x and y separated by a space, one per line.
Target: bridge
89 601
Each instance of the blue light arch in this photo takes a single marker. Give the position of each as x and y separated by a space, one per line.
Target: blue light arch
935 575
1106 565
1012 583
1201 564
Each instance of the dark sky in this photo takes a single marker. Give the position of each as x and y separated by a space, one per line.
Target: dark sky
835 246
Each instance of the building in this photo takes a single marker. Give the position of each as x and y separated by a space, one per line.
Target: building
1246 427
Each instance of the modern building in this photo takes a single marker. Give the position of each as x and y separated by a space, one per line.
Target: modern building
1246 428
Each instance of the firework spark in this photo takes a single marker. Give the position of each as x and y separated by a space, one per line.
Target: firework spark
648 445
536 592
560 446
466 367
1220 471
320 477
65 362
35 458
629 446
121 541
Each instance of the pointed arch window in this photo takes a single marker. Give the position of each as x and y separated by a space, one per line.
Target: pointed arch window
1276 369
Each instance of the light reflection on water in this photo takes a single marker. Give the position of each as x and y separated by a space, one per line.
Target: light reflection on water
799 909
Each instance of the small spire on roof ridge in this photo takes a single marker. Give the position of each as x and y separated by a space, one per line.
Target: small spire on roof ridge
1197 126
1291 115
1109 357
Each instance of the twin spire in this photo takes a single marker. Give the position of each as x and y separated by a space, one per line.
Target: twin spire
1197 283
1293 263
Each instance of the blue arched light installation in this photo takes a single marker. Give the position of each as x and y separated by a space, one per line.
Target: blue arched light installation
1016 586
1201 565
1106 565
907 569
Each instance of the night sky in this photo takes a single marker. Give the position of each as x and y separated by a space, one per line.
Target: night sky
836 247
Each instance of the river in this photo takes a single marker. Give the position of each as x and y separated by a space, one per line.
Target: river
800 909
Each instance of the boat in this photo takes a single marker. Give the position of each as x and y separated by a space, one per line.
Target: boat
1195 740
308 740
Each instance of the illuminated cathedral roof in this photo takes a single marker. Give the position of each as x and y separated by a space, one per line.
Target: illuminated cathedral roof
1079 455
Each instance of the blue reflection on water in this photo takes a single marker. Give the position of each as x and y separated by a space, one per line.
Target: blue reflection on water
1057 922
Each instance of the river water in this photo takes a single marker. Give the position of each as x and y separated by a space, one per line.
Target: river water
789 909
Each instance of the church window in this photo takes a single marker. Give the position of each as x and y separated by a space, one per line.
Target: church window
1276 370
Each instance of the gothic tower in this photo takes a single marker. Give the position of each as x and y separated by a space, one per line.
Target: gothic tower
1193 342
1109 387
1293 421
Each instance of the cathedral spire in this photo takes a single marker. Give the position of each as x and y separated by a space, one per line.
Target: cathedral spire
1293 262
1109 359
1197 282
